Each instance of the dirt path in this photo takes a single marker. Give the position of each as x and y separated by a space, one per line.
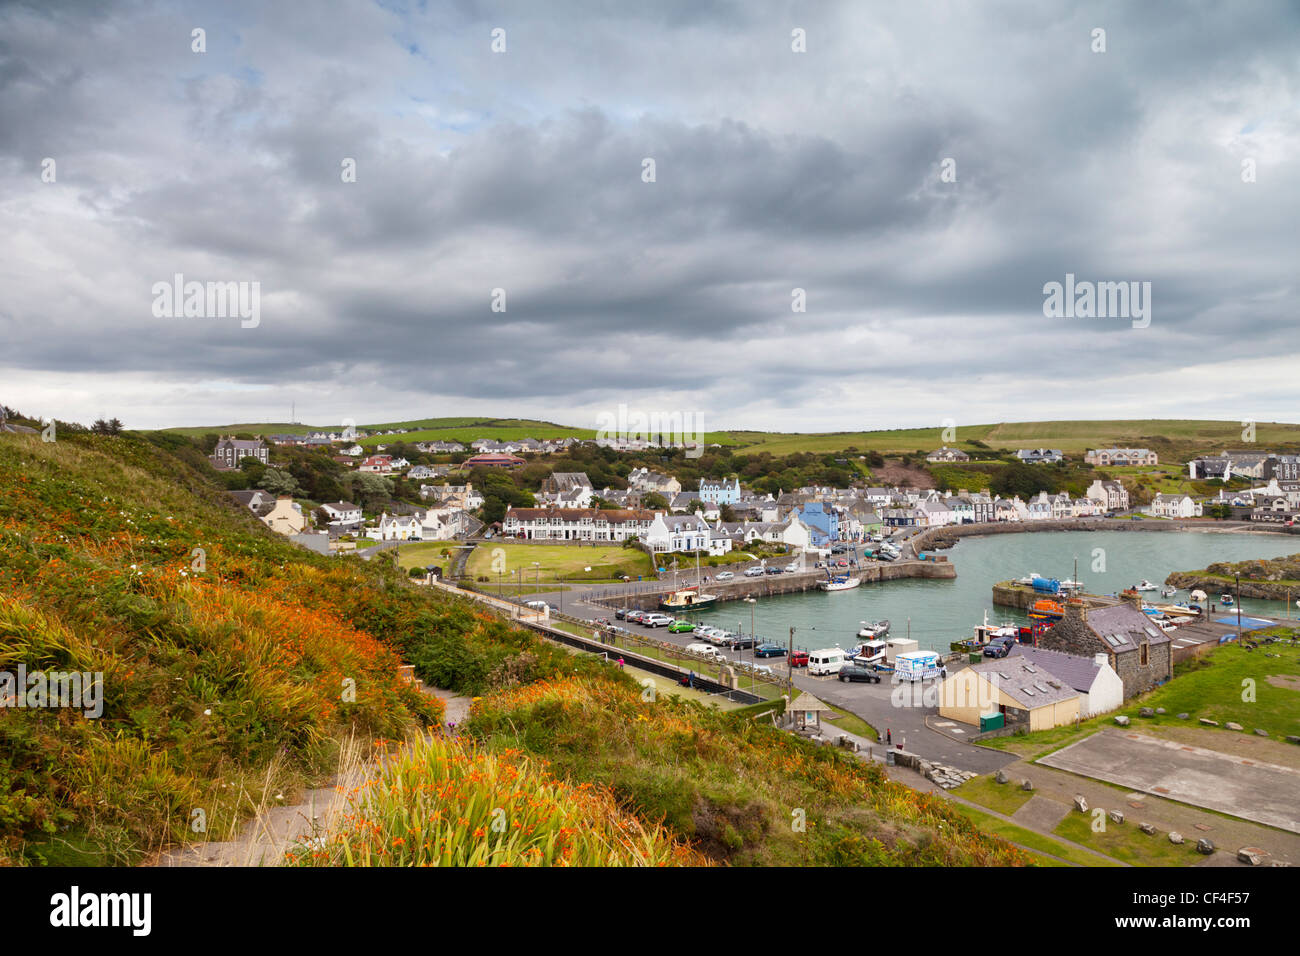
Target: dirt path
264 839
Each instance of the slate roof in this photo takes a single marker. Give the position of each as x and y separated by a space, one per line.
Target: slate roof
1126 625
1022 680
1074 670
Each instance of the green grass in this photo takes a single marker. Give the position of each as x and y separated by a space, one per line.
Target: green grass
1124 841
567 562
849 723
1005 798
1032 839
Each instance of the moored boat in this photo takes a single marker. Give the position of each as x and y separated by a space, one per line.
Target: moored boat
1145 586
839 582
687 599
872 630
1226 600
1046 610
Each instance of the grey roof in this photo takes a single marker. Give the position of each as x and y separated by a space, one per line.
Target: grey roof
1026 682
1073 670
1123 627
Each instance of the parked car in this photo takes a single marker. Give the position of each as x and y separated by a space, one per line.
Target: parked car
772 570
720 637
635 617
724 576
680 627
754 572
741 642
792 566
998 647
857 672
657 620
620 614
799 659
708 650
769 650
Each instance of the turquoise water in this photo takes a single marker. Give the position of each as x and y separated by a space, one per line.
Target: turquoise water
942 611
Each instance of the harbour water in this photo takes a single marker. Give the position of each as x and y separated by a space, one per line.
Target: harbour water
942 611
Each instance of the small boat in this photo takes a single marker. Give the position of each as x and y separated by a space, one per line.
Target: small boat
838 582
687 599
1028 578
871 631
1177 610
1071 585
1046 610
1145 586
1168 592
1226 600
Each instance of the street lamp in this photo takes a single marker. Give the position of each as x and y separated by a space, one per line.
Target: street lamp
753 642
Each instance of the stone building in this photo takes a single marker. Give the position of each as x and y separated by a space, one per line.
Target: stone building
1138 651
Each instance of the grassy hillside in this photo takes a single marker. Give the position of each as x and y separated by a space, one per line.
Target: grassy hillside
229 682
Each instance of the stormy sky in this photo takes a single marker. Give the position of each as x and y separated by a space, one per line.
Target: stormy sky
921 171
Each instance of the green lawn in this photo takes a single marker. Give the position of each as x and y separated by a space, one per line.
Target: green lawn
1124 841
1003 797
421 554
569 562
850 723
1032 839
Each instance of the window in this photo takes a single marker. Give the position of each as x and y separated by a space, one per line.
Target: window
1144 653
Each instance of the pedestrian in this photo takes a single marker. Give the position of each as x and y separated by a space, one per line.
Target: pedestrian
889 736
620 662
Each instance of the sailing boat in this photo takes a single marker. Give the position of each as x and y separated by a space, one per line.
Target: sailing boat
838 582
690 598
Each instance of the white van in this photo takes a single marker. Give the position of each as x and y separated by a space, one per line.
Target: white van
826 661
708 650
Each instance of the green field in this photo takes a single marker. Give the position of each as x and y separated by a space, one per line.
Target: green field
1172 438
1005 798
1124 841
557 561
1032 839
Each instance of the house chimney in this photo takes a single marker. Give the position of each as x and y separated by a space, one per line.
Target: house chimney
1101 660
1134 598
1076 609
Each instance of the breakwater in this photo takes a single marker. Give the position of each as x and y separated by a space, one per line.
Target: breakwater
947 536
785 583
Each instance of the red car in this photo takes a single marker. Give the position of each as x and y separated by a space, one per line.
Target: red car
799 659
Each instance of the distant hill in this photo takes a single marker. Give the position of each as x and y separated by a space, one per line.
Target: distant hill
1175 438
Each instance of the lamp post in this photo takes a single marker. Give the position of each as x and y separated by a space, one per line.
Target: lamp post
753 642
1238 597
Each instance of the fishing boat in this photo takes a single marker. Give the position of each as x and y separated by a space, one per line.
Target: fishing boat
1046 610
1168 592
687 599
838 582
1145 586
1071 585
1226 600
1177 610
872 630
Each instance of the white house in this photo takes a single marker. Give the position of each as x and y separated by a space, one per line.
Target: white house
688 532
400 528
575 524
1101 690
1040 507
1174 506
342 512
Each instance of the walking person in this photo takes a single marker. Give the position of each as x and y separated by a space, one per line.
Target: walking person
889 736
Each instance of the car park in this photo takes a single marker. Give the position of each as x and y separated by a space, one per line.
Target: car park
851 672
657 620
741 642
769 650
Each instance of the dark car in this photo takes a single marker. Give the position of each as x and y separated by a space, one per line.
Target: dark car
769 650
772 570
998 647
620 614
634 616
799 659
857 672
739 642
